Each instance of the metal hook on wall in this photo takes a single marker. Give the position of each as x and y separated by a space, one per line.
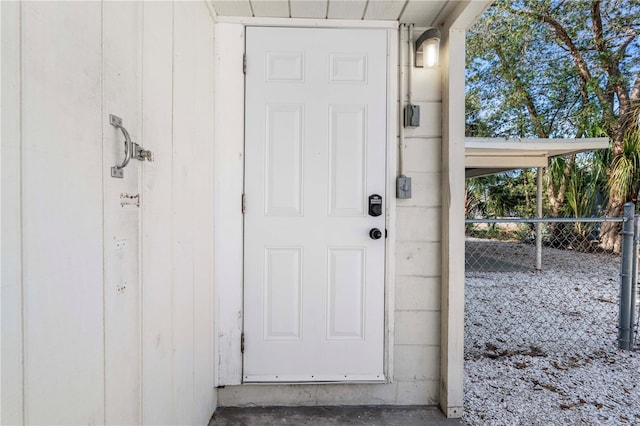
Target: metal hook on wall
131 149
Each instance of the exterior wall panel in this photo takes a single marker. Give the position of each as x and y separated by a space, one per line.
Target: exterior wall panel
203 311
157 212
89 333
11 355
62 216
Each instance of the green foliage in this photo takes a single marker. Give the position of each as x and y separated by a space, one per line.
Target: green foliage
530 83
581 193
502 232
559 68
527 86
582 189
503 195
624 174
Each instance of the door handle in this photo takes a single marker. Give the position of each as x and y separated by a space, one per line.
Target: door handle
131 149
375 234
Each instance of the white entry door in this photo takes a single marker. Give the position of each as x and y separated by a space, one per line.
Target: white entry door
314 242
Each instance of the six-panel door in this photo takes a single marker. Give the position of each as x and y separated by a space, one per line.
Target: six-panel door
315 148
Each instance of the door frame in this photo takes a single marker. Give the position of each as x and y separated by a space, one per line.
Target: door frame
229 184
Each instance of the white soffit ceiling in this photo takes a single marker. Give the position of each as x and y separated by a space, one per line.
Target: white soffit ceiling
486 156
423 13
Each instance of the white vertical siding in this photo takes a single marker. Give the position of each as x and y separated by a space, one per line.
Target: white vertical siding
11 249
157 214
204 358
121 73
229 184
183 212
62 216
177 224
111 335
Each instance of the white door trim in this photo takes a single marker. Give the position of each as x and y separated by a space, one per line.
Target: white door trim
392 153
228 184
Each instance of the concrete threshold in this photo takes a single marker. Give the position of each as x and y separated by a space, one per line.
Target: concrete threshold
383 415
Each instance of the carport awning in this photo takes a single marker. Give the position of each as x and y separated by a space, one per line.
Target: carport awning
487 156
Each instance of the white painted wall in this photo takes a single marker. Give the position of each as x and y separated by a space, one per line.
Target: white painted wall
452 58
229 184
416 314
451 390
93 333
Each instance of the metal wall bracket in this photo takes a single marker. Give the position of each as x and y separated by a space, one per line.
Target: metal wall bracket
115 121
131 149
117 172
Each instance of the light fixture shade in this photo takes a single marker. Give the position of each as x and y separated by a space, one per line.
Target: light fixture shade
427 48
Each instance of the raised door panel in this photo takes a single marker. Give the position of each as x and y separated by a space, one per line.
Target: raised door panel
283 294
284 66
348 68
283 160
348 160
345 301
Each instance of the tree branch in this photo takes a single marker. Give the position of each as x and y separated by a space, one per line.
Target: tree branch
581 64
598 33
630 120
635 91
527 98
609 61
627 41
583 69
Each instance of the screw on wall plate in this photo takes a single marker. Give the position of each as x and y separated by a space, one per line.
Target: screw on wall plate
115 120
117 172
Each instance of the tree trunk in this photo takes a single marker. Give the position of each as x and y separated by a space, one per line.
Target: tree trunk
467 203
527 199
557 191
610 238
556 195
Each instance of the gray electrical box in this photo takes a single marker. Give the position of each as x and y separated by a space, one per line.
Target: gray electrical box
412 116
403 187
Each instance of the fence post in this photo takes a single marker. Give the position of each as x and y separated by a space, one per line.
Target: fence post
539 215
634 281
626 275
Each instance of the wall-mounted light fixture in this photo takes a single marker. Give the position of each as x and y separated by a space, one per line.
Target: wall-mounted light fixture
427 48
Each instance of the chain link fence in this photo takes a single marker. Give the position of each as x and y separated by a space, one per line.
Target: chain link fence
559 296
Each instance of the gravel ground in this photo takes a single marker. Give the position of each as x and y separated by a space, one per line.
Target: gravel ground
540 347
